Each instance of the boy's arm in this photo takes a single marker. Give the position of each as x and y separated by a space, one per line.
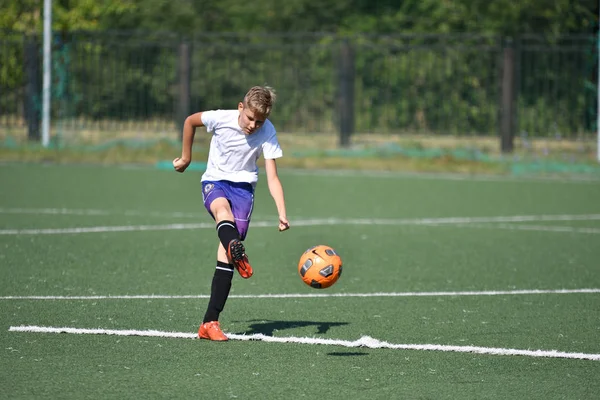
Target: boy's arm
276 190
189 130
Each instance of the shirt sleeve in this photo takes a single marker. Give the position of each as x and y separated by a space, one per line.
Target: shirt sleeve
271 148
209 119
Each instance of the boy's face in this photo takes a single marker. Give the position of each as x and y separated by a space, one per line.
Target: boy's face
249 120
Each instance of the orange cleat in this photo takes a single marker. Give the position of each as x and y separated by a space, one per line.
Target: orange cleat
212 331
237 254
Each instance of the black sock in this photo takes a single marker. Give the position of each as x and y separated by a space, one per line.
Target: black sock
219 291
227 231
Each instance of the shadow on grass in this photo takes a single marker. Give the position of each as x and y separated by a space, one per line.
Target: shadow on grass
269 327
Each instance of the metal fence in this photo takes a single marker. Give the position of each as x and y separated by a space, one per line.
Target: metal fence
122 84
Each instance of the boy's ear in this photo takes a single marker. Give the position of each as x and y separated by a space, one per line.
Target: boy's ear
240 106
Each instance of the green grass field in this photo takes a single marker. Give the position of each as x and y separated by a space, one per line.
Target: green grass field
458 280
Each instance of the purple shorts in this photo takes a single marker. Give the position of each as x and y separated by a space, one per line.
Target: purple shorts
240 196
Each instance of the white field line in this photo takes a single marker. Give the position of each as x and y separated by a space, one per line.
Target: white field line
107 229
94 212
364 341
539 228
311 222
442 176
313 295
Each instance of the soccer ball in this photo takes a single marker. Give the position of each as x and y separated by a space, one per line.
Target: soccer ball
320 267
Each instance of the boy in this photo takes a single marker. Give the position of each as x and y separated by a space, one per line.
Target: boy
239 138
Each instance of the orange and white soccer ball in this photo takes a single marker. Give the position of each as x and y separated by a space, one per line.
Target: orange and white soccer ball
320 266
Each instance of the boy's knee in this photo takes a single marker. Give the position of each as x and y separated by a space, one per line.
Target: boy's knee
223 214
221 210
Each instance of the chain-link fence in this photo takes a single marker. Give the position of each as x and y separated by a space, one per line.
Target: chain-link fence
116 85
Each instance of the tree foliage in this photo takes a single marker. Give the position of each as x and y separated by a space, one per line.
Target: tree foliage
410 70
350 16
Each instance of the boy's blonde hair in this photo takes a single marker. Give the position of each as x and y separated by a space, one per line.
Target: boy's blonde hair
260 99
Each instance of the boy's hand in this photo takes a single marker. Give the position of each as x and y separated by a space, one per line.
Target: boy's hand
180 164
284 225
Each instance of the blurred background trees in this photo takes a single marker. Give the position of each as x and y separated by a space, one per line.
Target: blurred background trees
505 17
463 67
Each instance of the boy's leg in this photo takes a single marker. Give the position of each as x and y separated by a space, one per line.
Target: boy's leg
218 199
230 251
241 200
229 236
219 291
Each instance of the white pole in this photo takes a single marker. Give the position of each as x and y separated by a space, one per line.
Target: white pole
47 73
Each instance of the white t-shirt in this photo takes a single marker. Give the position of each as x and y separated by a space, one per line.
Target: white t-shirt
233 154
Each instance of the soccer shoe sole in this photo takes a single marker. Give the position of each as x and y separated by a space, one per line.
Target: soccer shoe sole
237 254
